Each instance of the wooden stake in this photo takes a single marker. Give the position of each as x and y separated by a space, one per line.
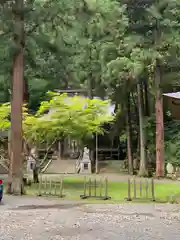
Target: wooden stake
55 188
39 186
134 188
106 188
152 189
140 188
50 187
100 190
85 185
89 187
95 187
147 187
45 186
129 190
61 188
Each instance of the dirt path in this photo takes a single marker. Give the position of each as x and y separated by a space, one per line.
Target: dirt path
26 218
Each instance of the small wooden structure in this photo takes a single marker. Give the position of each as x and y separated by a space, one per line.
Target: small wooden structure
142 189
173 199
95 189
173 102
50 188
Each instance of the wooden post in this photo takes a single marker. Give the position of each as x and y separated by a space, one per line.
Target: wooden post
97 163
95 187
40 186
59 150
85 185
106 188
100 190
50 187
61 188
147 187
134 181
55 188
45 186
129 190
140 188
152 189
89 187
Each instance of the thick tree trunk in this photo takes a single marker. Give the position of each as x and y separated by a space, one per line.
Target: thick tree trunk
159 110
36 174
146 99
159 125
143 158
129 138
16 163
136 160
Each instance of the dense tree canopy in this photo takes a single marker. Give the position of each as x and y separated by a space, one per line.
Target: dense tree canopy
126 50
78 117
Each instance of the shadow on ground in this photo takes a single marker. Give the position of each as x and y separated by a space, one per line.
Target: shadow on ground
49 206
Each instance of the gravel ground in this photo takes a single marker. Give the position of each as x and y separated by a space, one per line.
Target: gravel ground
25 218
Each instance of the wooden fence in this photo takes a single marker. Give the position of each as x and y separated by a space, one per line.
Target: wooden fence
95 189
50 187
141 189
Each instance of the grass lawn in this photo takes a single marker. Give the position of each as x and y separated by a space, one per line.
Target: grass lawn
118 191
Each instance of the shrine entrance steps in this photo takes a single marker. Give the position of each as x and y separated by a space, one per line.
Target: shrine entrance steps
61 166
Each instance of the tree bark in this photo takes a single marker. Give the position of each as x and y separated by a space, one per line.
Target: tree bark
16 162
159 125
159 110
136 159
129 137
36 174
146 98
143 158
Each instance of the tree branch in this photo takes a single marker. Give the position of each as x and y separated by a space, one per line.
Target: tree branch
46 18
3 34
45 157
3 2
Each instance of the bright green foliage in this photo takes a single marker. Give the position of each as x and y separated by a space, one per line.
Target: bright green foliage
4 117
77 117
102 46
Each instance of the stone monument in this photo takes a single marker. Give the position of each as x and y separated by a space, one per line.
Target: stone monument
85 164
170 171
169 168
31 161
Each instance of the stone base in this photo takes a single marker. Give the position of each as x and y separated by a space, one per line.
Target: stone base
173 176
85 167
